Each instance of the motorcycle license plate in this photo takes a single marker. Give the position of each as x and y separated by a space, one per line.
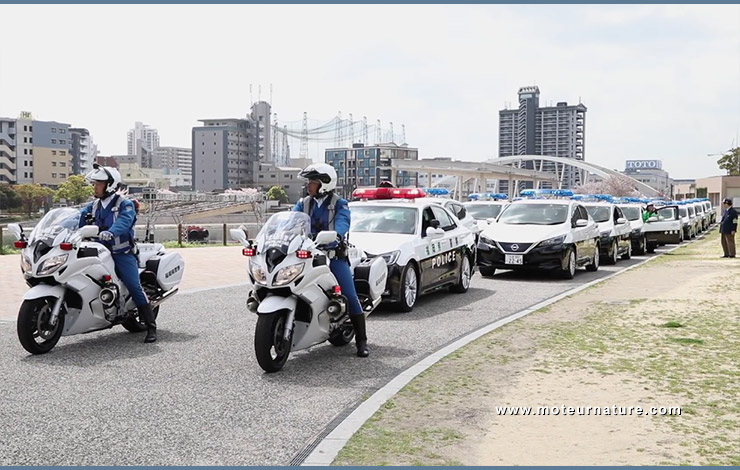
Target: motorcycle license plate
514 259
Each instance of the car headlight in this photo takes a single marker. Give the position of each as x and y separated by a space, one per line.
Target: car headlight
553 241
287 274
257 273
605 234
392 257
52 264
486 240
25 264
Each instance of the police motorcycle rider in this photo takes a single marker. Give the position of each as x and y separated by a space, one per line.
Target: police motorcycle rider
115 215
330 212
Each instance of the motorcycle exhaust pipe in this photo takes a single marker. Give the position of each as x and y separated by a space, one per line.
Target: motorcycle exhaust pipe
335 309
165 296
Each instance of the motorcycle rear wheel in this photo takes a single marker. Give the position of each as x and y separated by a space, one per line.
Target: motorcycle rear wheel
271 349
134 325
342 336
34 332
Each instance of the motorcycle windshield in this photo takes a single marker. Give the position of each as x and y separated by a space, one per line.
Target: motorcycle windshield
53 223
281 229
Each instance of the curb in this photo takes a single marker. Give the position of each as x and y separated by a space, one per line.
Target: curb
327 448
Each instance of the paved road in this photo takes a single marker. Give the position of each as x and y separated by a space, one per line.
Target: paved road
198 397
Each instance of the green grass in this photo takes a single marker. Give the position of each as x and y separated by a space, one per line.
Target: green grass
8 250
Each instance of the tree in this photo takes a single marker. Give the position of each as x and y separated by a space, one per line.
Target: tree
9 198
33 196
616 185
730 161
74 190
277 193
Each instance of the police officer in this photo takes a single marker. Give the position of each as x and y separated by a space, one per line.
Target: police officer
650 211
330 212
115 215
728 227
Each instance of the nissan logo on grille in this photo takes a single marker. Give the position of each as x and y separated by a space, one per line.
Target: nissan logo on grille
514 247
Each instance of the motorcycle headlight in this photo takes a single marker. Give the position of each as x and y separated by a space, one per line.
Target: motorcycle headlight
52 264
25 264
392 257
287 274
486 240
257 273
605 234
553 241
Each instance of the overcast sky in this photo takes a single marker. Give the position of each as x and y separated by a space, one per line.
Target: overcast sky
660 81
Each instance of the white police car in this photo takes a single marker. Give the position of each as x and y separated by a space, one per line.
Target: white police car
614 228
632 210
545 234
441 196
425 246
485 207
664 228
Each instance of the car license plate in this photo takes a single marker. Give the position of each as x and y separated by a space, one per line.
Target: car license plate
514 259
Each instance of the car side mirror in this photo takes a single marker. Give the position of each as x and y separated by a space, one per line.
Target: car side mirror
89 231
433 232
16 230
434 223
325 237
490 220
581 223
621 220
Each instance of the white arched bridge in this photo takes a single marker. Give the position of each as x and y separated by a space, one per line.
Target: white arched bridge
511 169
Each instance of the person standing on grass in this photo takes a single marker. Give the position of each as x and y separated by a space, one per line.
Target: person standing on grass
728 227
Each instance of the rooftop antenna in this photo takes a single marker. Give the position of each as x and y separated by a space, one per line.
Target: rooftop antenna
351 130
259 92
364 130
270 93
390 123
251 99
377 133
403 133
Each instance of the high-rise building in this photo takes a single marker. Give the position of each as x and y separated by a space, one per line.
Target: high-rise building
369 165
52 159
83 150
557 131
142 140
8 165
24 148
227 153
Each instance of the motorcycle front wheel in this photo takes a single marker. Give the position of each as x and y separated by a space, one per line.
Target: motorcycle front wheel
35 333
271 349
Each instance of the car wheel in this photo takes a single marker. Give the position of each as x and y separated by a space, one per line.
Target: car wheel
466 273
409 288
628 255
641 246
613 253
570 265
594 266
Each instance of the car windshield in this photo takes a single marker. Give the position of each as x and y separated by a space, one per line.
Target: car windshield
534 214
669 213
282 228
599 213
683 212
632 213
484 211
383 219
53 223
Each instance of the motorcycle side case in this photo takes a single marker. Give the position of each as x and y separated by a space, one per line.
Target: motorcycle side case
370 277
169 269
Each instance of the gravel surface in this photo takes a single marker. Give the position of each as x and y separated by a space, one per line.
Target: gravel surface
197 395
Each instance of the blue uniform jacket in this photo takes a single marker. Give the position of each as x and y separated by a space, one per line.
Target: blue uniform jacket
728 223
320 216
123 227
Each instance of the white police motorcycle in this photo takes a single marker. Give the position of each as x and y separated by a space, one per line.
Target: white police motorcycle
296 297
73 283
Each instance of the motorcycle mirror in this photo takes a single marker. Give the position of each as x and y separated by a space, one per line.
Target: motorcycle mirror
16 230
326 236
89 231
238 235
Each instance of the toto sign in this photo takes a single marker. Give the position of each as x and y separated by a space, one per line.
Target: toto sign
643 164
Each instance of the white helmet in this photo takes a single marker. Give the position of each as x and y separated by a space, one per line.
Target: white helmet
105 173
322 173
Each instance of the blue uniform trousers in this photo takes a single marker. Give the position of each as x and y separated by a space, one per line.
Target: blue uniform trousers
127 268
340 269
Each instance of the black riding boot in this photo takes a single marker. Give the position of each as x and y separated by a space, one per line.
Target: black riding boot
358 323
147 316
